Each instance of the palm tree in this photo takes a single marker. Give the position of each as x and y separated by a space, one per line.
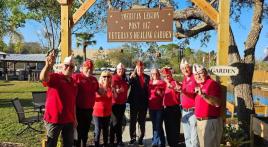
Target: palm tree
84 39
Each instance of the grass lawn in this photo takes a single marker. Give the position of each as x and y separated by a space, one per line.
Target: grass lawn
9 125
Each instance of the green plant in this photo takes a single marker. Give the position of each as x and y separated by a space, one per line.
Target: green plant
234 136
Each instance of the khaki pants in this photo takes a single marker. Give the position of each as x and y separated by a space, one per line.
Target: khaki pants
210 132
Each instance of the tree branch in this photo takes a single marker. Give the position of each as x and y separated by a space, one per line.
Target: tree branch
254 33
233 53
109 2
193 13
192 32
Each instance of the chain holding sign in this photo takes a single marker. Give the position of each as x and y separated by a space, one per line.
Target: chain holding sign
140 25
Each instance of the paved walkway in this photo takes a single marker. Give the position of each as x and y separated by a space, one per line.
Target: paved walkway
148 132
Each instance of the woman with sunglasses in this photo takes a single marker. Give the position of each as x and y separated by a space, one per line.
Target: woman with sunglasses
156 94
120 87
102 109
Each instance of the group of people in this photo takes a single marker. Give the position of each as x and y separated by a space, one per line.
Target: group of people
74 99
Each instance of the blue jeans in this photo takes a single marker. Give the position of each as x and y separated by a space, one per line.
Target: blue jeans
158 132
189 125
101 123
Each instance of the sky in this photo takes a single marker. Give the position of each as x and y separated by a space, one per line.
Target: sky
30 33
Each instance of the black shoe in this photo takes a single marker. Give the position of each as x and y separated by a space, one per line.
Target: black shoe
132 141
140 142
120 144
112 145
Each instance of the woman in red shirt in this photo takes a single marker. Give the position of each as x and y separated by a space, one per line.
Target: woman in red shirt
156 94
120 87
102 109
171 111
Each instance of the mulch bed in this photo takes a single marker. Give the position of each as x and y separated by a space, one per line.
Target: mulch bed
10 144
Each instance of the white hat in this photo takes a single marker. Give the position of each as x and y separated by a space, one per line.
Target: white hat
184 62
197 68
68 60
120 65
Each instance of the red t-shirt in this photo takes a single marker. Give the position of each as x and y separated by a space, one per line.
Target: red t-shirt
188 86
60 101
141 78
171 97
87 87
202 108
156 100
103 104
118 82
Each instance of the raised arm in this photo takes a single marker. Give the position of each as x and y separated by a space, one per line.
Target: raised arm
50 61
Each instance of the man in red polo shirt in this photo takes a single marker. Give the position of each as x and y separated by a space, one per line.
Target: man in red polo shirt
188 105
208 103
87 87
59 114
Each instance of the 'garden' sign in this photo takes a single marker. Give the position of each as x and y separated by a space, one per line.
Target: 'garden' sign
140 25
224 70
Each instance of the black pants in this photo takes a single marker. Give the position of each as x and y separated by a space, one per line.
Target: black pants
101 123
137 114
118 111
84 118
54 130
172 119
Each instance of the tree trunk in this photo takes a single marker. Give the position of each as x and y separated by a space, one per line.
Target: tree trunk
243 95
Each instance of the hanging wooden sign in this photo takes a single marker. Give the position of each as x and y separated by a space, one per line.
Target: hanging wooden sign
140 25
224 70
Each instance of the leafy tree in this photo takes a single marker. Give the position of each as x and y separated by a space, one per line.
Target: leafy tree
84 39
101 63
32 48
79 59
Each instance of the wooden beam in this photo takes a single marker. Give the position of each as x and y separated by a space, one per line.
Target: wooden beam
223 36
65 44
208 9
81 11
63 2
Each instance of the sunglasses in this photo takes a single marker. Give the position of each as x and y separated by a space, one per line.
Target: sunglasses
69 66
106 76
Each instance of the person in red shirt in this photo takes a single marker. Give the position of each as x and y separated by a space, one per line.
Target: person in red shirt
188 105
102 109
208 103
171 111
120 87
87 87
59 114
156 94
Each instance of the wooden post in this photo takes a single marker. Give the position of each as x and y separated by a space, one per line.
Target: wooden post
66 29
223 36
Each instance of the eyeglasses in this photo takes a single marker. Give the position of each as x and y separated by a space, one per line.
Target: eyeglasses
69 66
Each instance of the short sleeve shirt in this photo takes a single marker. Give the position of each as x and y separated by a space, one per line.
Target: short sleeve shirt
60 101
202 108
87 87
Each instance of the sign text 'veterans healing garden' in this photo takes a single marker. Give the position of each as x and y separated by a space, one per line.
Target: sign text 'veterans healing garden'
140 25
